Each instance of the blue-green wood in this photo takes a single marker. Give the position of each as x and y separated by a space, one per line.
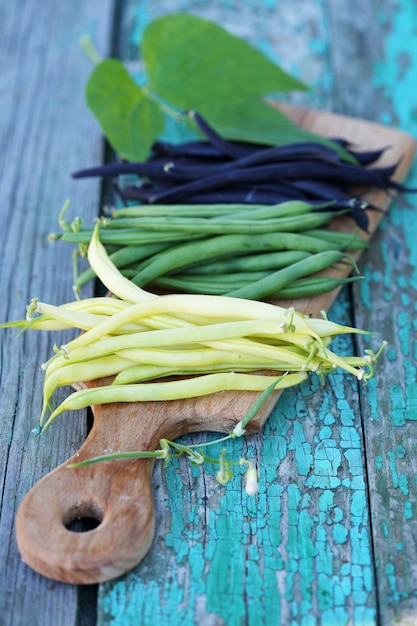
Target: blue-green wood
317 545
390 404
331 537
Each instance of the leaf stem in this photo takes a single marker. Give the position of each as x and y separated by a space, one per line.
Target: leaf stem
89 49
164 106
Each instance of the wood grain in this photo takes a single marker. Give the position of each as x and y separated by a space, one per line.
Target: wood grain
316 546
331 537
121 493
364 135
44 128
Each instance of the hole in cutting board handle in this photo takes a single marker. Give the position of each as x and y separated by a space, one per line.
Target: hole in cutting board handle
82 517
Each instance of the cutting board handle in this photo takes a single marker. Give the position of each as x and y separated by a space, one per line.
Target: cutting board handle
114 496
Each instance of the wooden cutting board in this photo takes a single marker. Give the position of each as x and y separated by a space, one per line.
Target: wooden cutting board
118 494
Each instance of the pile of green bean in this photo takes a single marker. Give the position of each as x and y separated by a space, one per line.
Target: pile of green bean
254 252
202 343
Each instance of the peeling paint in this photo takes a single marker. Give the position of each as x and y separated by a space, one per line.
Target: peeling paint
303 545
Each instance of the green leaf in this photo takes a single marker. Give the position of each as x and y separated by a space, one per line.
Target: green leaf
129 118
193 63
187 57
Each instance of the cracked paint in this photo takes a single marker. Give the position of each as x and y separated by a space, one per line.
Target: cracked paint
302 546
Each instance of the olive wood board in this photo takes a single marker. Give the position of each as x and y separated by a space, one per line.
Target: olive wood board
118 494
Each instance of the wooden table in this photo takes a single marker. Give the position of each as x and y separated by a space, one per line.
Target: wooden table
331 539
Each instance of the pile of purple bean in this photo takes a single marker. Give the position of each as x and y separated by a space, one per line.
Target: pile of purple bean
215 170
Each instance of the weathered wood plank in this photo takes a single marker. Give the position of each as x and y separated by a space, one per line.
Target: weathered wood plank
297 551
303 548
215 576
386 300
44 128
333 496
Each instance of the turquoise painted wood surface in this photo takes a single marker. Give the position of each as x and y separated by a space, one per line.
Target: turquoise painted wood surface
316 546
331 539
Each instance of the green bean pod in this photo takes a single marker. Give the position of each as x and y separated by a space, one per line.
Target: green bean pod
127 236
217 211
340 239
188 254
180 210
251 263
285 276
205 227
220 286
312 286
